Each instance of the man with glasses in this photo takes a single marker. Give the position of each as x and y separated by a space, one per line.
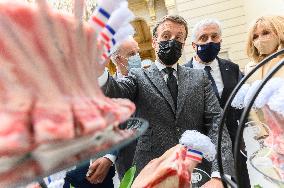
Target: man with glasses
126 57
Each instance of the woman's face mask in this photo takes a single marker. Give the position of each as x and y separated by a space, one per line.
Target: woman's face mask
264 40
267 45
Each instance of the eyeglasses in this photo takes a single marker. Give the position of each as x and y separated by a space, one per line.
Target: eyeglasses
127 58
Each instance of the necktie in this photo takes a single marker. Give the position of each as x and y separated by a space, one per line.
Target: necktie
208 69
172 84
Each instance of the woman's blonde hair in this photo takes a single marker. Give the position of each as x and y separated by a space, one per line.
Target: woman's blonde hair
276 23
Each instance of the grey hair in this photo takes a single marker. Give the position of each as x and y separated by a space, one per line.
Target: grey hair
116 49
206 22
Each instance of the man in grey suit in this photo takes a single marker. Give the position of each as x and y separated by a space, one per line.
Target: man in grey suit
172 98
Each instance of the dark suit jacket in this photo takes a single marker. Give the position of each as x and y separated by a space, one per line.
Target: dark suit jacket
197 109
124 159
231 75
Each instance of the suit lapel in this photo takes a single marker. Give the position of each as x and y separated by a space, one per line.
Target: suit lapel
156 78
184 79
225 73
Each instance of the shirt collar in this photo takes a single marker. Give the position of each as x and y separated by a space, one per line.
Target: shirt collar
198 65
119 75
161 66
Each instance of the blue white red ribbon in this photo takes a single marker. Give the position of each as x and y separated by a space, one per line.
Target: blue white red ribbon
104 12
194 155
100 17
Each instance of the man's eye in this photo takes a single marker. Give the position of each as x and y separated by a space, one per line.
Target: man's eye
178 38
204 38
255 37
166 37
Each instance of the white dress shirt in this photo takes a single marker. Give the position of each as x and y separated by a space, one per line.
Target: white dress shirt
215 71
118 75
161 66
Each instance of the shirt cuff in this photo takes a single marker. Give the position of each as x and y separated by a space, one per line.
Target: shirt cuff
216 174
111 157
103 78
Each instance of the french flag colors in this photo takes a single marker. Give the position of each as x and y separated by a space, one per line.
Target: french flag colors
194 155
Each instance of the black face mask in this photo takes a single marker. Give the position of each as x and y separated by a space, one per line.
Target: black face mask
208 52
169 51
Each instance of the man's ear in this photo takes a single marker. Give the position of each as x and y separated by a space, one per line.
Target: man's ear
154 42
194 46
117 58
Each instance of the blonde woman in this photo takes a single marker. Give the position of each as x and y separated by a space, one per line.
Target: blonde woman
266 36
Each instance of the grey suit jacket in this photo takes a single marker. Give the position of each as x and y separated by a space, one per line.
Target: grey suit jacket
197 109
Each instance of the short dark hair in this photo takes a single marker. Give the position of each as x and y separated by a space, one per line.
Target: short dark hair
173 18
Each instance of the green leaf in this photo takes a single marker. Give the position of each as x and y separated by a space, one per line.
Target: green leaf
128 178
257 186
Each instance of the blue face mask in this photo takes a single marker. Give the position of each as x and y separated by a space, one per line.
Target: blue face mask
134 62
208 52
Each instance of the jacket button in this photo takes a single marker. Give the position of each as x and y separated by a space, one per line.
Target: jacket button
178 129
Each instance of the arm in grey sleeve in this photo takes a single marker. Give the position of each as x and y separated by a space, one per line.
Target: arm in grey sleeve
212 118
122 88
